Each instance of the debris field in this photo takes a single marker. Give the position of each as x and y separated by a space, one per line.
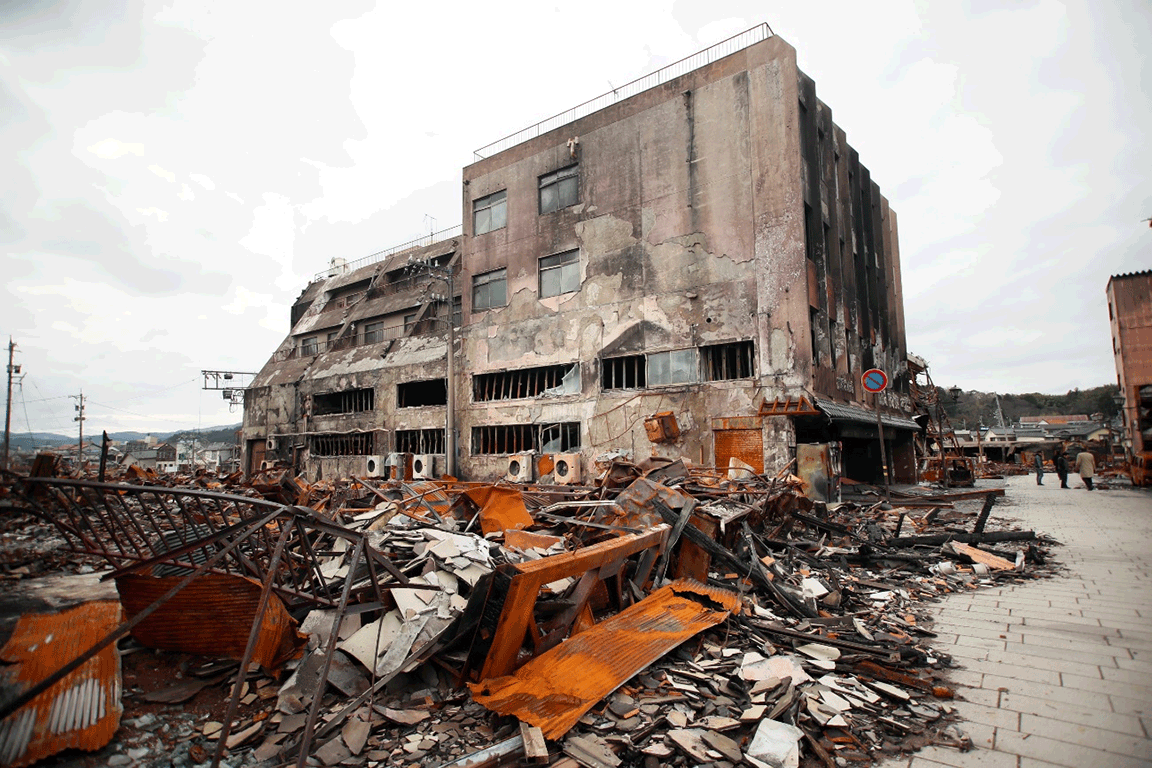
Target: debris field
664 615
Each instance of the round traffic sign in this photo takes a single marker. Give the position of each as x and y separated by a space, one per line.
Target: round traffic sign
875 380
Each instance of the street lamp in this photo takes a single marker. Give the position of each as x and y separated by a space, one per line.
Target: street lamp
955 392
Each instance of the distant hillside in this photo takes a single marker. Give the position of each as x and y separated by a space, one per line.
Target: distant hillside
974 408
220 434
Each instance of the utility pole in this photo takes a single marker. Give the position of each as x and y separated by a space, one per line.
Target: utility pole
447 273
8 408
80 418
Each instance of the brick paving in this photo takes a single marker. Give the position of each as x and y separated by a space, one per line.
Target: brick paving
1057 672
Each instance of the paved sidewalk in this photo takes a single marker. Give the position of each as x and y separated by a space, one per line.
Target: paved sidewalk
1058 672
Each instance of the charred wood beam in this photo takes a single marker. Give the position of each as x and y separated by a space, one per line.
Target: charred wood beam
752 567
982 520
963 538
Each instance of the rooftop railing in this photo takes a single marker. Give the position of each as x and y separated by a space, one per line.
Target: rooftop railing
659 77
340 267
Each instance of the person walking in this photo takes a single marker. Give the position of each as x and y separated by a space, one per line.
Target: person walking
1038 461
1086 467
1060 462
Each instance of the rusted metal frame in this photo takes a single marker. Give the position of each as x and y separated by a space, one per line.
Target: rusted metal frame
253 635
81 508
314 710
313 562
265 544
80 521
7 708
300 584
674 537
342 532
148 514
190 521
520 600
183 549
127 513
238 558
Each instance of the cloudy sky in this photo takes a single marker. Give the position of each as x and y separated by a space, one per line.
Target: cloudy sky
175 172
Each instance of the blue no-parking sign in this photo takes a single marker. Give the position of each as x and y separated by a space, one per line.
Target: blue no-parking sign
875 380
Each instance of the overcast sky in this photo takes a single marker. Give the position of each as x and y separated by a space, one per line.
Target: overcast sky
175 172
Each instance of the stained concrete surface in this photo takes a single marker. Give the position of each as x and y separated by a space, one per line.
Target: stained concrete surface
1057 672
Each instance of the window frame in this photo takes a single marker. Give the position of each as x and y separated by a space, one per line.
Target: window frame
310 345
375 327
567 266
490 204
485 279
553 182
694 368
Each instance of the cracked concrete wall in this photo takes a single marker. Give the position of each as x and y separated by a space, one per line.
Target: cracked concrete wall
686 239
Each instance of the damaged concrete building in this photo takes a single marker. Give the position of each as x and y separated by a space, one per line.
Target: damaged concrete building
1130 316
696 265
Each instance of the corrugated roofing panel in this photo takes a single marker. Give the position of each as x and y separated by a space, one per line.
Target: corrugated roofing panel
555 689
212 616
860 415
83 710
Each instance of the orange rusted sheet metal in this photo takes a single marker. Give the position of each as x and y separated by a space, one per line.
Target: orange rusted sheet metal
500 508
520 600
212 616
81 711
555 689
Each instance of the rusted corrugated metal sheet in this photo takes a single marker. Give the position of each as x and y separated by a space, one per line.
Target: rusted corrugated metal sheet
501 508
81 711
212 616
554 690
744 444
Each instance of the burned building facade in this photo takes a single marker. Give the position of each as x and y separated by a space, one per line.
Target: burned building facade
697 267
1130 316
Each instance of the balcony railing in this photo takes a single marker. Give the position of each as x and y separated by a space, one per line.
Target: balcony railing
659 77
343 268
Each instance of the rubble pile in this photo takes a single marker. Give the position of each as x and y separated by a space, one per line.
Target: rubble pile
663 616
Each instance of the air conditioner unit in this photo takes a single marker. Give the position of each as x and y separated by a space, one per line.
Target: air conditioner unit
400 466
423 466
567 469
376 466
266 465
271 443
521 468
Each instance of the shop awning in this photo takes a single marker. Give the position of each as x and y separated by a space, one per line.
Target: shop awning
855 414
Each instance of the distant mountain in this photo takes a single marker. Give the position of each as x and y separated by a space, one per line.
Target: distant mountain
218 434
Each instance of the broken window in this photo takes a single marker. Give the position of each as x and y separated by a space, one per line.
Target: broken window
490 213
623 372
350 444
729 361
420 440
308 346
413 394
348 401
490 290
546 380
409 321
560 273
676 367
374 332
560 189
506 439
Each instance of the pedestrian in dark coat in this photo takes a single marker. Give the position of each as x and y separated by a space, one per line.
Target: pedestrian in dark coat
1038 462
1060 462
